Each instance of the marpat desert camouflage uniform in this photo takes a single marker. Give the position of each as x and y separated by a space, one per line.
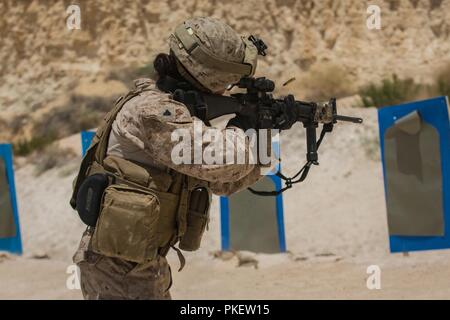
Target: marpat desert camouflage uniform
106 278
142 133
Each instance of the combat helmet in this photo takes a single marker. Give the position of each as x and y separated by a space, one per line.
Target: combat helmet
210 54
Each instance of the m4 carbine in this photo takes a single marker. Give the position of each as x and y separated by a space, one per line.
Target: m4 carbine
258 109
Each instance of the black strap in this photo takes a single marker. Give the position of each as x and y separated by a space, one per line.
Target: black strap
290 181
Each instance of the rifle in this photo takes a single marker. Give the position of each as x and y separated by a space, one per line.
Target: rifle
258 105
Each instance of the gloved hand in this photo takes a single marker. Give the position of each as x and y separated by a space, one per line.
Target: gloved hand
288 114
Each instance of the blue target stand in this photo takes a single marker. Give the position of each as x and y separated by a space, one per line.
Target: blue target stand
255 223
86 139
434 112
10 239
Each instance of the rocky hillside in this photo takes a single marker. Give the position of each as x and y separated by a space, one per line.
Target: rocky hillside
46 67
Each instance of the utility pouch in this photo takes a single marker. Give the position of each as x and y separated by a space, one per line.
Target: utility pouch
127 225
197 219
89 198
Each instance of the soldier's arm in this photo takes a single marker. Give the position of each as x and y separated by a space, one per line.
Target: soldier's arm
228 188
172 120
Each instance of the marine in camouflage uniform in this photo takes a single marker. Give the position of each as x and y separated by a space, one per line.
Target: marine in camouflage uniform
141 132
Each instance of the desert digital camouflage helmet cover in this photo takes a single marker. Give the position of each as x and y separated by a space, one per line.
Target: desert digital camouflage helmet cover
213 53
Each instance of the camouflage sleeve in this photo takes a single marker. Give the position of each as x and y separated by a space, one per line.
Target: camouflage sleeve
172 136
228 188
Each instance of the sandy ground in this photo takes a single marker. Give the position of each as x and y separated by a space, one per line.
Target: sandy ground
401 278
335 228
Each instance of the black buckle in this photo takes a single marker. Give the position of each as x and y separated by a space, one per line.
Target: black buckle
259 44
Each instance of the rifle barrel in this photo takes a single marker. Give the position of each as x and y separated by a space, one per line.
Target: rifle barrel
348 119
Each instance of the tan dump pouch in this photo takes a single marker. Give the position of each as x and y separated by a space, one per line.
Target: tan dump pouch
413 178
197 219
127 225
138 211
